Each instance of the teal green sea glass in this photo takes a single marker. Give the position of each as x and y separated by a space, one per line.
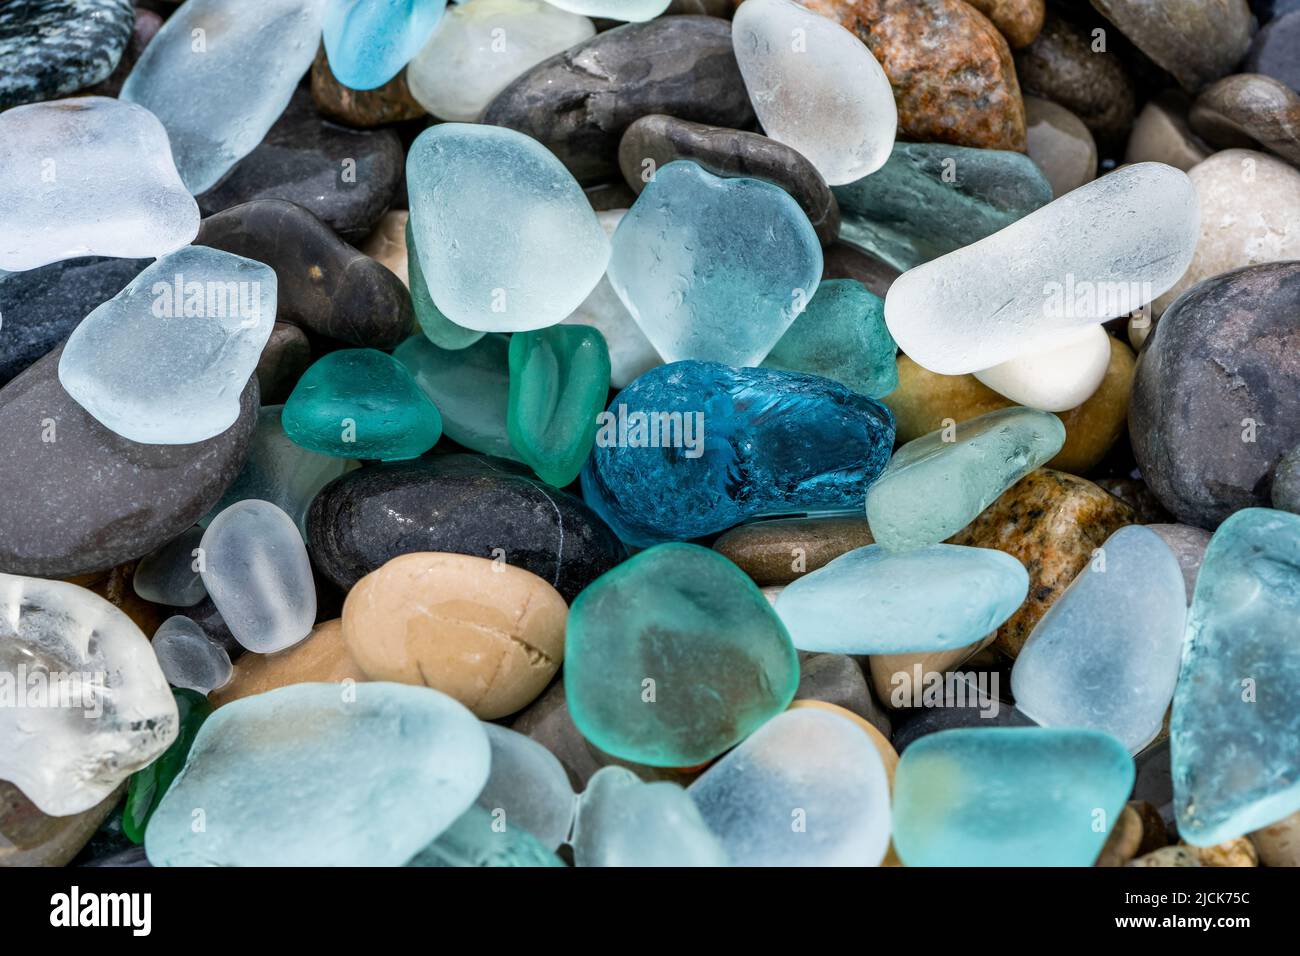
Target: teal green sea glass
1235 731
675 656
470 386
361 403
1009 796
559 380
842 336
937 484
442 331
147 786
478 839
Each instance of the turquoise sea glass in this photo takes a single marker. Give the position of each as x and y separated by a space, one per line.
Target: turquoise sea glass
368 42
441 331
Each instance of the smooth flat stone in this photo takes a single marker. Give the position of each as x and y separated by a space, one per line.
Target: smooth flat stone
361 403
1275 51
51 48
437 328
284 358
1061 65
1009 797
250 52
740 247
29 837
655 141
280 471
347 178
1052 523
486 634
1233 733
290 777
392 102
1250 110
559 381
1250 213
325 285
464 504
321 657
148 784
480 272
622 821
470 387
933 487
1134 232
1214 403
808 788
674 657
202 316
780 550
578 103
931 199
1197 41
872 601
841 336
1057 378
188 658
169 575
1018 20
776 442
1161 134
117 500
369 43
822 92
630 352
103 710
88 176
258 575
474 839
1106 654
1060 145
42 306
466 62
951 70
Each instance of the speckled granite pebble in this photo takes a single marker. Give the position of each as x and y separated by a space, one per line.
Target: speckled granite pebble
51 48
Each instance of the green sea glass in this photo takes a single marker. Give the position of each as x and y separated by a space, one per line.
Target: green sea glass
478 839
147 786
361 403
675 656
559 380
442 331
841 336
470 386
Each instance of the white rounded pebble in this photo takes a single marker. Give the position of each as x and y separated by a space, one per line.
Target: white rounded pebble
1057 378
188 657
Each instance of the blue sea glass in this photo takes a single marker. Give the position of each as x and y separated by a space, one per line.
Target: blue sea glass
369 41
1235 732
1009 796
872 601
692 448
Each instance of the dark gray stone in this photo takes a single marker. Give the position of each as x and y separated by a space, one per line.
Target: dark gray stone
1275 51
324 285
728 152
1250 111
347 177
50 48
1216 396
838 679
1198 41
579 102
843 261
285 357
41 307
464 504
90 499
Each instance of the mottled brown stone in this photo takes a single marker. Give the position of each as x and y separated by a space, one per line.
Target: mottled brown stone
951 70
1051 522
1236 852
1250 109
29 837
782 550
321 657
390 103
1019 20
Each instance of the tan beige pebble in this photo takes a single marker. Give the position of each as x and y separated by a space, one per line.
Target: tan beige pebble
321 657
884 667
387 244
1168 856
1124 840
1279 843
488 634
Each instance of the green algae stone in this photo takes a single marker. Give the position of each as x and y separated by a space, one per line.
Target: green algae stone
937 484
442 331
470 386
361 403
559 380
147 786
841 336
674 657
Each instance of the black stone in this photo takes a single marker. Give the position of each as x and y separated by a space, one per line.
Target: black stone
463 504
41 307
1268 10
913 724
90 499
843 261
1216 395
728 152
347 177
579 102
1275 51
285 357
50 48
322 284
